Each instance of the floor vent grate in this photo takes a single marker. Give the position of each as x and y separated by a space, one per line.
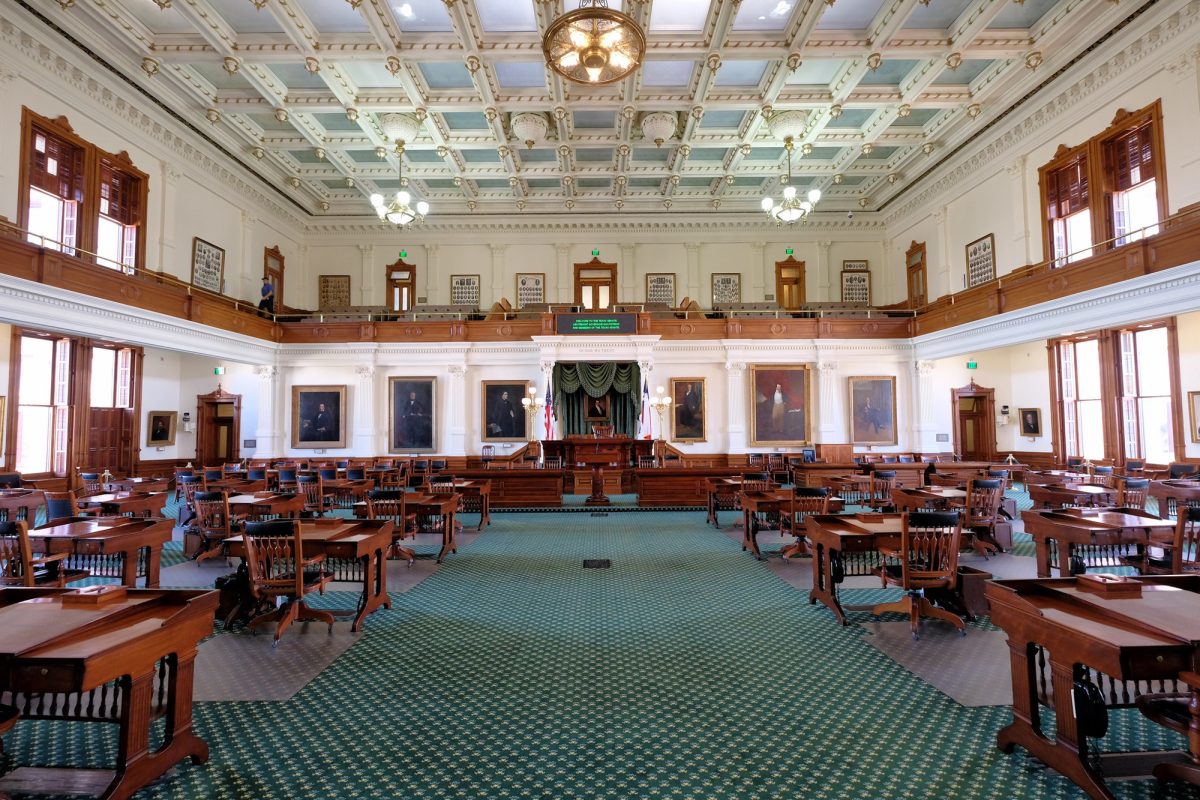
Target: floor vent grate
596 563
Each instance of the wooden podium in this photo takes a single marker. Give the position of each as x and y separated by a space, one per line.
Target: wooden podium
598 454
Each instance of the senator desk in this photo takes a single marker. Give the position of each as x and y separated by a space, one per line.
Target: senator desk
135 504
124 547
846 544
21 504
935 497
1101 533
519 488
754 504
964 471
1151 637
355 550
126 660
475 498
1171 493
1071 494
437 505
657 487
261 505
137 485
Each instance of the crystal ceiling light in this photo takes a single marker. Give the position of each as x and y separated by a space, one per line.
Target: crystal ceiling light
594 44
401 129
788 125
659 126
529 127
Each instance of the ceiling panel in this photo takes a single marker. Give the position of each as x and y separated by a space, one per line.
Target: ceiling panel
1022 15
890 73
520 74
419 16
537 155
741 73
594 153
594 119
268 123
763 15
297 77
481 156
336 122
333 17
219 78
369 74
465 120
446 75
678 15
159 20
667 73
506 16
243 16
918 117
816 71
938 16
967 71
852 118
652 155
853 16
722 119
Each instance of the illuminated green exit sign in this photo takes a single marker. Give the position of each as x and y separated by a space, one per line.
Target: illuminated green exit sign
972 364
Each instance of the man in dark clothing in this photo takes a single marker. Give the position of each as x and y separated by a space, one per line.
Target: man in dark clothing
268 296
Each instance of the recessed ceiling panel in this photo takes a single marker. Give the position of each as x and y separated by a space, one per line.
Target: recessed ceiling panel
268 123
305 156
160 20
668 73
219 78
854 180
815 71
543 183
854 16
740 73
594 183
446 75
1022 15
465 120
763 15
492 183
333 17
765 153
367 74
967 71
422 156
916 118
696 183
243 16
440 183
366 156
538 155
295 76
821 154
722 119
880 153
708 154
645 183
506 16
594 153
420 16
937 16
594 119
652 155
481 156
851 118
890 72
336 122
678 15
520 74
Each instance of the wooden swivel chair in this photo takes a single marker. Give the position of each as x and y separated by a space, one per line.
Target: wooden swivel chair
61 508
1134 493
214 479
1102 476
285 479
188 485
1175 553
981 508
316 501
179 473
390 504
1135 466
927 559
488 454
278 569
882 483
805 501
89 483
214 524
19 567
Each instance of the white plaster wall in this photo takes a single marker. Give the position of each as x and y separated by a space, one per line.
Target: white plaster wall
1188 335
160 392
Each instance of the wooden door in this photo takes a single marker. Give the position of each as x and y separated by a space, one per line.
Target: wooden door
401 285
218 428
273 269
789 283
595 285
914 259
109 432
975 431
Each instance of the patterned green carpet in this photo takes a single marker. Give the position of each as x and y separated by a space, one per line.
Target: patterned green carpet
686 671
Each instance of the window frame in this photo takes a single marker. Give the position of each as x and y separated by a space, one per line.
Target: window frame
87 226
1102 178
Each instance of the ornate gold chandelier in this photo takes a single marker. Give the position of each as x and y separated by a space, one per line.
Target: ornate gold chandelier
594 44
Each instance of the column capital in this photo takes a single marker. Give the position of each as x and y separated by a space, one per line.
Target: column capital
366 249
365 372
759 246
827 366
457 370
266 372
924 368
498 249
691 247
824 246
431 251
735 366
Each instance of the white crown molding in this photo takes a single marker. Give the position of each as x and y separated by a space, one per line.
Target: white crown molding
1145 48
1161 294
48 58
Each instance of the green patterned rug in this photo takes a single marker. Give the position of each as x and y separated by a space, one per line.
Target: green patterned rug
687 670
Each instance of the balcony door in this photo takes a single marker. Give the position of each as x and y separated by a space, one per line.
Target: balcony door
595 286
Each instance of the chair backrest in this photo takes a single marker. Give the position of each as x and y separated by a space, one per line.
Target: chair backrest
60 505
488 452
889 459
420 466
356 473
342 463
212 512
552 462
386 504
328 473
313 489
256 474
274 558
16 555
1074 462
385 463
757 477
437 465
1184 555
983 501
234 468
647 462
929 542
882 483
754 459
906 459
90 482
806 500
1135 464
214 474
1180 470
10 480
808 456
1134 492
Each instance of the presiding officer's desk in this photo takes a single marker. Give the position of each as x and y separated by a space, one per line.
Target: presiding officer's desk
1059 632
105 654
519 488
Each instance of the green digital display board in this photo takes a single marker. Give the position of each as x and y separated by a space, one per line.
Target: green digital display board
595 323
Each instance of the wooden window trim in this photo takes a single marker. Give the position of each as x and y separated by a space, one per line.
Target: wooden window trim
790 263
121 162
597 265
276 283
916 247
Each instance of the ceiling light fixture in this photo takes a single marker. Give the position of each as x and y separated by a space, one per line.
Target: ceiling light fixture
401 129
594 44
529 127
789 125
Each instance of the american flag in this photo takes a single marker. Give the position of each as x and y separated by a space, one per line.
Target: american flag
647 424
549 413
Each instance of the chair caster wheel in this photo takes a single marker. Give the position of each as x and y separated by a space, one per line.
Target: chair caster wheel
916 637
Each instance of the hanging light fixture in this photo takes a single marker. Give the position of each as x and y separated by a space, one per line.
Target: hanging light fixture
789 125
594 44
401 129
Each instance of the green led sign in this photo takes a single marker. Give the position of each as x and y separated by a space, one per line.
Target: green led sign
404 254
595 323
972 364
596 252
787 252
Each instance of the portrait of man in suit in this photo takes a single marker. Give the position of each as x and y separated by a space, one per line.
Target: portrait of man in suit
317 416
412 418
597 408
503 414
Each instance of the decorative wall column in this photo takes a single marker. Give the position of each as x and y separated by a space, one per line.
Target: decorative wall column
368 278
827 275
829 425
269 430
456 431
167 207
498 272
1020 210
764 277
924 404
558 286
246 284
368 439
628 271
429 288
735 423
944 284
693 276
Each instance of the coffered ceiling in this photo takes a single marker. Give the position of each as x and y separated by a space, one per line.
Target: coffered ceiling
294 89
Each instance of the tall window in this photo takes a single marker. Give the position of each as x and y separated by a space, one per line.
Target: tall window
110 377
1146 395
1080 390
43 405
80 199
1106 192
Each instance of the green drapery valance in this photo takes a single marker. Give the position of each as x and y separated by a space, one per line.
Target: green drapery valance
574 383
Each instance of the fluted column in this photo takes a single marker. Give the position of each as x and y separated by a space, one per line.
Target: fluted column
167 259
763 277
558 285
735 423
367 279
693 276
924 421
456 430
246 285
944 284
826 282
829 422
1020 211
431 274
628 271
368 439
269 429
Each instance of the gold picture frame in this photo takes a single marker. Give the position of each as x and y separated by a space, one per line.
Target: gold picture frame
780 400
660 288
530 289
160 428
208 266
318 417
413 417
1193 409
689 410
1030 420
872 409
501 423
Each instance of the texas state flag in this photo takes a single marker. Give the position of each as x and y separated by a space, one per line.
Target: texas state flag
647 426
549 413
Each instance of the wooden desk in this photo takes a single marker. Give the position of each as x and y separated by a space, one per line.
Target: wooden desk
1169 494
267 504
476 499
677 486
51 646
963 471
776 501
138 485
908 474
123 547
1071 494
361 543
121 503
513 488
1151 637
936 497
21 504
1110 530
437 505
845 545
